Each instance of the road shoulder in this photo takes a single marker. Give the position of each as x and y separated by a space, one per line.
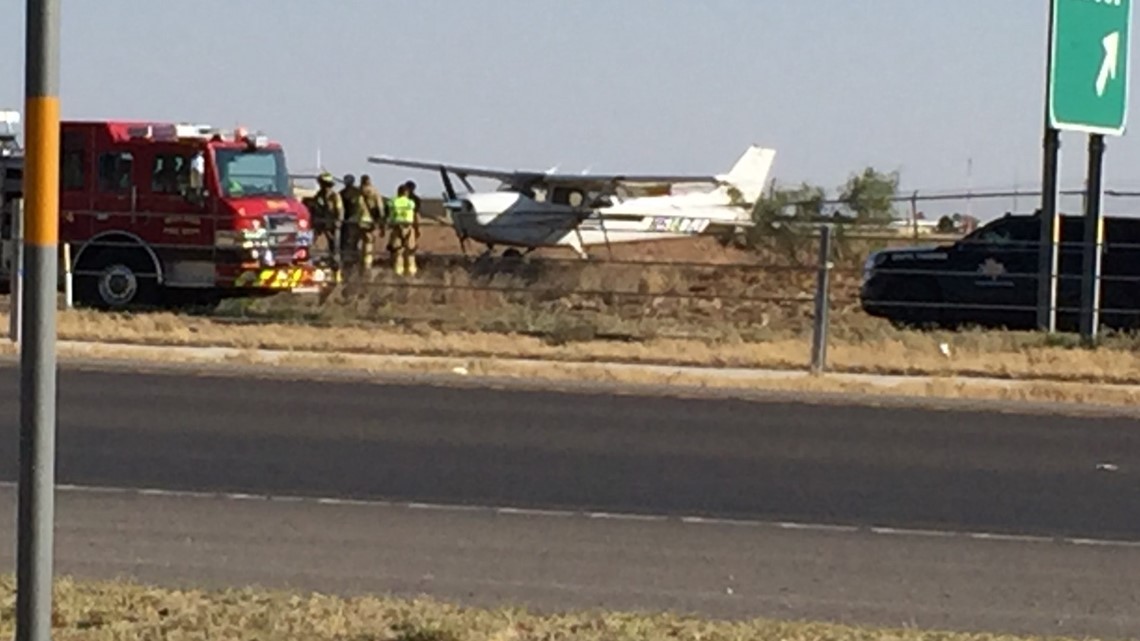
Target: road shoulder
764 385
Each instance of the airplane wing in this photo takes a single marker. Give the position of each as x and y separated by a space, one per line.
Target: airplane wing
586 180
514 176
465 170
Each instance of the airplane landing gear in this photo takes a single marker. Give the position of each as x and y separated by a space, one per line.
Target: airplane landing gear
487 263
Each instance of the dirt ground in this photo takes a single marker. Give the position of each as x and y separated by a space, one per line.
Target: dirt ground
690 287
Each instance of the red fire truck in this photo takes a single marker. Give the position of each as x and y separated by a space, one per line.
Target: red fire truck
149 210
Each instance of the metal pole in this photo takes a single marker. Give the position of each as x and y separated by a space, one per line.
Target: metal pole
822 299
1093 243
37 350
16 297
1047 255
914 213
68 280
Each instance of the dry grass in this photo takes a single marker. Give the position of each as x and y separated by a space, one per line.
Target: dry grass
624 377
748 312
1007 355
128 612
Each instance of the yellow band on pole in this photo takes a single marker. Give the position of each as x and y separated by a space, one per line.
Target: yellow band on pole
41 172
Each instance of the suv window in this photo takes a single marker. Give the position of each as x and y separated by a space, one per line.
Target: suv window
1010 232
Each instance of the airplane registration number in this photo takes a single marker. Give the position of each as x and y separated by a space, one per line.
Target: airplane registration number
679 225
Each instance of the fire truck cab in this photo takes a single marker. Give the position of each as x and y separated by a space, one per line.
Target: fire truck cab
148 208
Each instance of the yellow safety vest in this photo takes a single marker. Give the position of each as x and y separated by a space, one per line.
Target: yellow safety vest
403 211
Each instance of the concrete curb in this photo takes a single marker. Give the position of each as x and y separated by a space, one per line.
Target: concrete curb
589 377
377 362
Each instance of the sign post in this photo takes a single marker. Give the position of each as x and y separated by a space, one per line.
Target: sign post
1050 224
1090 42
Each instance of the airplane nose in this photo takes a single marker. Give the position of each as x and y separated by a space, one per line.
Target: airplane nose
460 212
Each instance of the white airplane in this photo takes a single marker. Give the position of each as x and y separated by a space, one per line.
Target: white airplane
532 209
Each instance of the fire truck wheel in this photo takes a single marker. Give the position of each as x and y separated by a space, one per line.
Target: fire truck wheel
118 280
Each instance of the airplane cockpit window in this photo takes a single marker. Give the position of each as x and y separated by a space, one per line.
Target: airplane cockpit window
568 196
537 194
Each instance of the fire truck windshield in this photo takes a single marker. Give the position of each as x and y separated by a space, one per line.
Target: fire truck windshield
252 173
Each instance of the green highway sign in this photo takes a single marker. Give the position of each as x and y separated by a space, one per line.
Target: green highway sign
1088 66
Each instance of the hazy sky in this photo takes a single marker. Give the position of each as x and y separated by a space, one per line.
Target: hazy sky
624 85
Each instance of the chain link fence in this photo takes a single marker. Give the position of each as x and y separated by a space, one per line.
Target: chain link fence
807 280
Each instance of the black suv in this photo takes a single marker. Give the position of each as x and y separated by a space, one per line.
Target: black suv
989 278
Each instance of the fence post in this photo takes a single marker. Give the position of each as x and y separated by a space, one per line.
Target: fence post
822 303
914 214
16 290
68 280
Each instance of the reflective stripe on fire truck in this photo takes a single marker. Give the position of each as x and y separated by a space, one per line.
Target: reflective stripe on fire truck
272 278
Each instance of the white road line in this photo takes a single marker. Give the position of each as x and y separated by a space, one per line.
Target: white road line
698 521
891 531
1104 543
343 502
246 497
818 527
518 511
1015 538
610 516
441 507
702 520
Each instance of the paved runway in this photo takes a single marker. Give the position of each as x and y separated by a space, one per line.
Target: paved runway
903 468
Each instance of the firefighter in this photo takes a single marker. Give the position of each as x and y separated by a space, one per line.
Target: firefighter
371 219
404 223
328 215
411 187
352 198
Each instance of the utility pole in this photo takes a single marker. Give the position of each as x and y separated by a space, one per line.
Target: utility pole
37 349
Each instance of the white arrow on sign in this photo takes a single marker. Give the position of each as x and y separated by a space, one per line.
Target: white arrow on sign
1108 68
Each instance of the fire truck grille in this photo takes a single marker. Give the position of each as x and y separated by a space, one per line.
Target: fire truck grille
282 232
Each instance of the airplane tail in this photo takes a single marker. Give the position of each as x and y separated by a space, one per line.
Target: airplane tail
750 174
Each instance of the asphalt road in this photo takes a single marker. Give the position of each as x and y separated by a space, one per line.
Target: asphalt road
550 562
831 464
814 464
